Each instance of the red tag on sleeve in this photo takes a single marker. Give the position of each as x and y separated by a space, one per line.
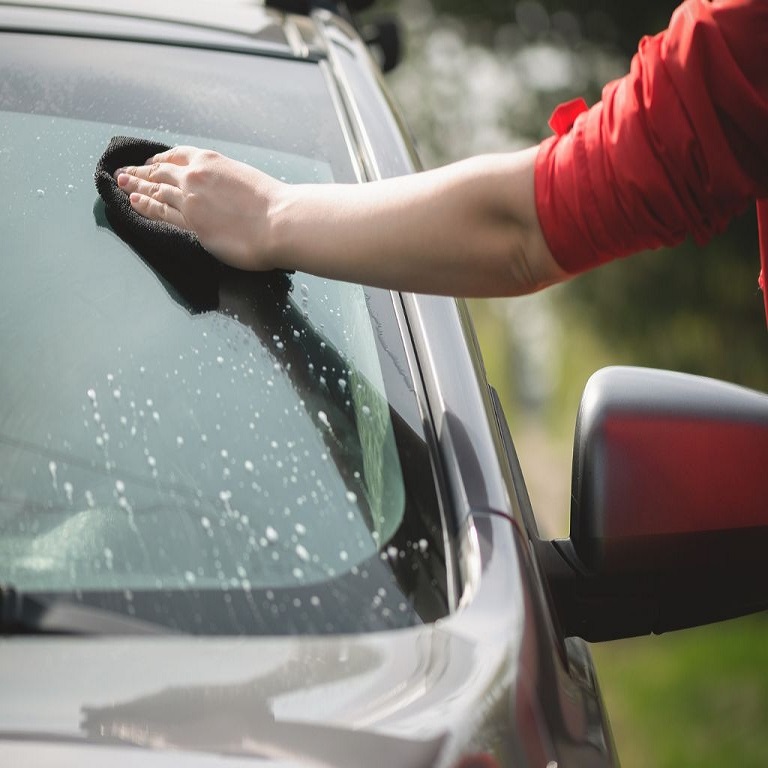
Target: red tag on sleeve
565 114
762 231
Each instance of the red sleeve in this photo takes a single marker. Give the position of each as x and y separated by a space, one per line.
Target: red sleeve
678 146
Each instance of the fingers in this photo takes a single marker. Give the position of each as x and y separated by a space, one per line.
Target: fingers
154 189
158 173
153 168
156 210
164 167
160 202
163 193
176 155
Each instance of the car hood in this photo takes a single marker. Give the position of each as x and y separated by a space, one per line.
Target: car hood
481 682
374 700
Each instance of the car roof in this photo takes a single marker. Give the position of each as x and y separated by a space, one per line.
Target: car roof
247 24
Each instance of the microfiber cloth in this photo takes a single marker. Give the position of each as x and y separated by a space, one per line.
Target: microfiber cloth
175 254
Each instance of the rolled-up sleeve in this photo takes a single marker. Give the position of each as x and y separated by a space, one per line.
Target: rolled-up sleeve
677 147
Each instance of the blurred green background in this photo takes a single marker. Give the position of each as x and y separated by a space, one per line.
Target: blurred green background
483 76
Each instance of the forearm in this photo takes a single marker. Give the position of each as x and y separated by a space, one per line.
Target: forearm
467 229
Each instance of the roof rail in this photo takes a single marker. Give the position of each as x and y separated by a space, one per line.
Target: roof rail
381 34
307 6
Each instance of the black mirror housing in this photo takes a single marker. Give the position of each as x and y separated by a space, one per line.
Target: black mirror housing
669 516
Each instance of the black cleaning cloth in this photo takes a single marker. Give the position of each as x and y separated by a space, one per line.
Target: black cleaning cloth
174 254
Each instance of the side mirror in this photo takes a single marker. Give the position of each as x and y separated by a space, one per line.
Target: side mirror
669 516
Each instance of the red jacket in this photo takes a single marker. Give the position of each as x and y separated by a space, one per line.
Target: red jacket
678 146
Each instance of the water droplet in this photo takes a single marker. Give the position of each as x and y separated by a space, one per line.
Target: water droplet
91 394
343 555
41 193
302 553
119 486
116 394
300 529
298 573
179 441
68 490
190 577
205 522
52 469
423 544
351 497
271 534
323 417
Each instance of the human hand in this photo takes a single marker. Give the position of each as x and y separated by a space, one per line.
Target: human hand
225 202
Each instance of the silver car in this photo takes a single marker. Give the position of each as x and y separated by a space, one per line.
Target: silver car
287 526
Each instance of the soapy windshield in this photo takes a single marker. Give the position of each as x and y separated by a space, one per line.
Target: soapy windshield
248 458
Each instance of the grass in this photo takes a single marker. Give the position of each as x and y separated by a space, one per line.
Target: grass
695 698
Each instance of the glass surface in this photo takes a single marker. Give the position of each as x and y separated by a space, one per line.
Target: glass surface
238 470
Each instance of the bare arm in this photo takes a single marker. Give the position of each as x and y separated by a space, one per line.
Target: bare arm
468 229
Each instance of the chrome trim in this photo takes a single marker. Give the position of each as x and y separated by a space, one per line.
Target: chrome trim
451 380
455 575
344 121
295 39
330 33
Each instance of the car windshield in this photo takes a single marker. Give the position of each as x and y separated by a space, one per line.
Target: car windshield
257 468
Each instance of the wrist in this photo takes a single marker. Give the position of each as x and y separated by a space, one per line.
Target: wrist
278 249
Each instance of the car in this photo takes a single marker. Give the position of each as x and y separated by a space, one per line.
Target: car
286 525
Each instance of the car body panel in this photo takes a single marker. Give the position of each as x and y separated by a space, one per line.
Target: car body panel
415 697
492 678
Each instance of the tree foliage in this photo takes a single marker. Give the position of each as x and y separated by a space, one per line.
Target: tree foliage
689 308
617 23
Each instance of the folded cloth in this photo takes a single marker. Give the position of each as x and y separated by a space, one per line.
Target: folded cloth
174 254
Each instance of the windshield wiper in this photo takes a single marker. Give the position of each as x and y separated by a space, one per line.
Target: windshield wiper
22 614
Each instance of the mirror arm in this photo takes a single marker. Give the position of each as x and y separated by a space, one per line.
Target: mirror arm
592 607
610 606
